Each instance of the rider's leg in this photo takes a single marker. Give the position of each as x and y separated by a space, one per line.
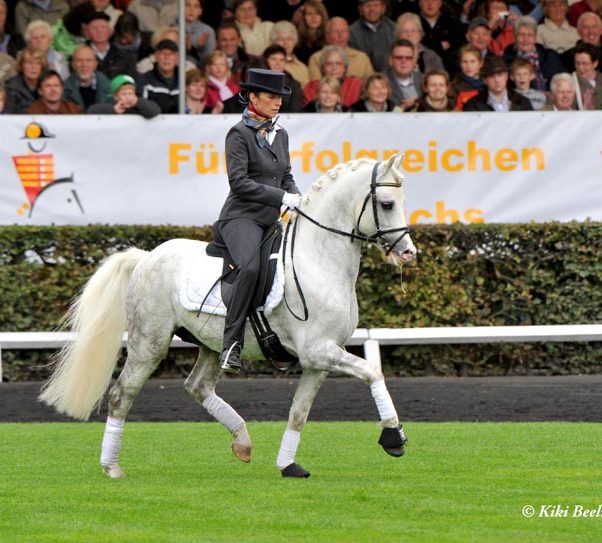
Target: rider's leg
243 239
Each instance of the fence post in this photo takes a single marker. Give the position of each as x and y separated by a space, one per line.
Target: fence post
372 350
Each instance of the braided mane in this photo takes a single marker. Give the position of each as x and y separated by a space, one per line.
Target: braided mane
331 175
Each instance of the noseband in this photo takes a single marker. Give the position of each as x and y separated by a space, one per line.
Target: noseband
356 234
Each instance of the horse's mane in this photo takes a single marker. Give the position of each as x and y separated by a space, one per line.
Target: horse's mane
331 175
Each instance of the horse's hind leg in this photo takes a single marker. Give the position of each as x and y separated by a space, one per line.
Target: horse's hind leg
142 359
309 384
201 386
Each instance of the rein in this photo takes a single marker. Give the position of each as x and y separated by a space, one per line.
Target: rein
355 234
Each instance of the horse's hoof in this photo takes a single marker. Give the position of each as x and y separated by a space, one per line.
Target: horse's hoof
392 440
295 470
113 471
242 452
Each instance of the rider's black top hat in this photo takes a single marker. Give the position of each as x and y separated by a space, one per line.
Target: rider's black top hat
266 81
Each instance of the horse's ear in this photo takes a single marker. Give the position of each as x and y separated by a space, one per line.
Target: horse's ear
393 164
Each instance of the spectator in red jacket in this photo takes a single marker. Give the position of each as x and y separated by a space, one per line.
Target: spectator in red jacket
334 62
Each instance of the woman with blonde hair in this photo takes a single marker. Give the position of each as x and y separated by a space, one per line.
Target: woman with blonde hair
284 33
222 85
375 96
312 29
22 90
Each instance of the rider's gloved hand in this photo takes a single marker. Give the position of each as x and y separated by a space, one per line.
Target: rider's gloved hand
290 200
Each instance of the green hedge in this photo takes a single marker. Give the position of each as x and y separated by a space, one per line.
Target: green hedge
464 276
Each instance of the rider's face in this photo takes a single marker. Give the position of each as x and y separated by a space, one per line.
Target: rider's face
266 103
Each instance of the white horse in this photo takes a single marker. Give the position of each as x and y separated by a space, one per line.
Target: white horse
137 291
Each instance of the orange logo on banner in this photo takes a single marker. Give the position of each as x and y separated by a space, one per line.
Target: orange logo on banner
36 170
35 173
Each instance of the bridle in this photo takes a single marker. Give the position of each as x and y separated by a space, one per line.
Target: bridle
356 234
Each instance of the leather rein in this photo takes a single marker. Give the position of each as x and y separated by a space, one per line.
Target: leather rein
355 234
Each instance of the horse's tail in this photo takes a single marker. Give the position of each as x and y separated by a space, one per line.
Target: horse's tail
98 316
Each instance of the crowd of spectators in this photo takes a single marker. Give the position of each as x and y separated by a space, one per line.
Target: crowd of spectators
121 56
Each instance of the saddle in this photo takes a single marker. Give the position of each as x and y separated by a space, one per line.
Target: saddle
268 341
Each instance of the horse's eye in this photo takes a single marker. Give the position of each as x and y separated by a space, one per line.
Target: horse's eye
387 206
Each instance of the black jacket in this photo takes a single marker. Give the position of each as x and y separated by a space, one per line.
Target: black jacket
258 176
479 102
117 62
165 92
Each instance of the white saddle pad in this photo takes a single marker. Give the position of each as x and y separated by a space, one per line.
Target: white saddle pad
201 275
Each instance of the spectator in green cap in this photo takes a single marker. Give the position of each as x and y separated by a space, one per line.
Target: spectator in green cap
125 100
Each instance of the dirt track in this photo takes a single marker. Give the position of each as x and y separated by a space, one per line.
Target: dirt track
572 398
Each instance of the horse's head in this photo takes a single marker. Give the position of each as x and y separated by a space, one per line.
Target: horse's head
381 215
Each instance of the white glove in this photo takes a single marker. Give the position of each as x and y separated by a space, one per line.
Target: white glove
290 200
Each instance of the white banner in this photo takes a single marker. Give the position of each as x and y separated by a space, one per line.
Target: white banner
467 167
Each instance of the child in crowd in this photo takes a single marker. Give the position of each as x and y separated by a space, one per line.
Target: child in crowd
196 94
521 73
201 35
328 97
468 82
125 100
221 85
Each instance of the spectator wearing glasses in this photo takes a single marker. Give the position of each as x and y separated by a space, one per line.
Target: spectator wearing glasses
589 28
334 62
546 63
409 27
404 78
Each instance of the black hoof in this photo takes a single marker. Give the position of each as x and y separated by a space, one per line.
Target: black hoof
392 440
295 470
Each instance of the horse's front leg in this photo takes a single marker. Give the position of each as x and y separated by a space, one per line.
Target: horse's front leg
392 437
200 384
309 384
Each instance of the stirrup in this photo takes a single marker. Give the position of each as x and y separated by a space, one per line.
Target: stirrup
230 359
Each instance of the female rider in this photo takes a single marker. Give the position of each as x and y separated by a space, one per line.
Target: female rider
259 173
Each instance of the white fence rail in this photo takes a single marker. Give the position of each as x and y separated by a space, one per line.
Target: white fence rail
370 338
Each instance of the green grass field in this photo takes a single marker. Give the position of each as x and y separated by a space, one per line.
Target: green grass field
458 482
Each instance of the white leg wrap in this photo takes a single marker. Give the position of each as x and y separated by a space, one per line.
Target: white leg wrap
288 448
222 412
383 402
111 442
